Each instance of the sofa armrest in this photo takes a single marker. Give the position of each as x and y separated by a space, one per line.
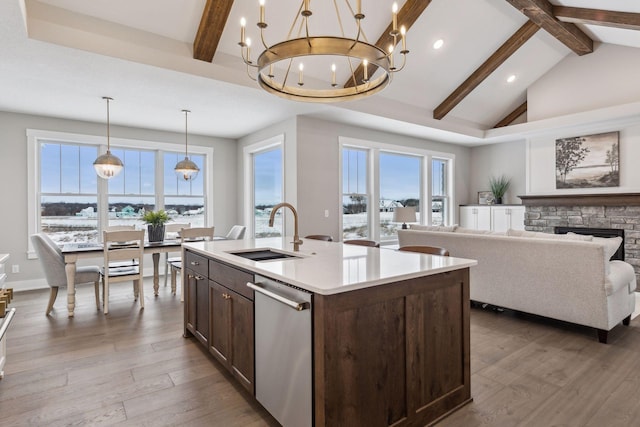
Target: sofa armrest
621 275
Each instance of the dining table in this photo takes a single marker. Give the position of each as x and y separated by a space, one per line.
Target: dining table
72 252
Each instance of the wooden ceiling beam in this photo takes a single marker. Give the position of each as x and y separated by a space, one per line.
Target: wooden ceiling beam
519 38
541 12
520 110
607 18
407 16
214 18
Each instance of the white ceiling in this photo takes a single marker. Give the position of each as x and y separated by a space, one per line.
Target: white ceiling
59 57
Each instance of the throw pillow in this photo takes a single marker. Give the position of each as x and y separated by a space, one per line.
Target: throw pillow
521 233
610 246
582 237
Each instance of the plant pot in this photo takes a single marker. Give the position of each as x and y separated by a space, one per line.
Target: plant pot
155 232
498 200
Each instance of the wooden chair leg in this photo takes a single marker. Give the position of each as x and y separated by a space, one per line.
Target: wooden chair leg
140 293
96 288
136 290
166 268
105 295
173 280
52 299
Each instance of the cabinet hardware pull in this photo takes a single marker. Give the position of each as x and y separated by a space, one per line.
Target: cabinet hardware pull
226 296
296 305
195 263
198 277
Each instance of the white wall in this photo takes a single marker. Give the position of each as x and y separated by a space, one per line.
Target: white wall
604 78
13 180
317 155
506 159
541 175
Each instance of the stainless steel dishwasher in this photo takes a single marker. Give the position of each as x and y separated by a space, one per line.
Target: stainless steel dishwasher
283 377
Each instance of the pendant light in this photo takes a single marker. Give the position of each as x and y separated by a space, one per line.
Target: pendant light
107 165
186 169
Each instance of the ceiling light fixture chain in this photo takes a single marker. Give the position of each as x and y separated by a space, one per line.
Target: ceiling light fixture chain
273 65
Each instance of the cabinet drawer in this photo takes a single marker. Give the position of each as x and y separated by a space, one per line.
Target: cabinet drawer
231 277
197 263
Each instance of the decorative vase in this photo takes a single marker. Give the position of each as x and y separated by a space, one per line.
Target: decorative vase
498 200
155 232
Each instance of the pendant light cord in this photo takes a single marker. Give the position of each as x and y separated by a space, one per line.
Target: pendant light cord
186 148
108 124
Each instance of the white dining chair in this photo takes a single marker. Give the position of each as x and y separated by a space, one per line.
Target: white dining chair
123 246
52 261
173 228
236 232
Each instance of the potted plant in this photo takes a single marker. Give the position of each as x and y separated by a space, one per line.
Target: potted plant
499 187
155 221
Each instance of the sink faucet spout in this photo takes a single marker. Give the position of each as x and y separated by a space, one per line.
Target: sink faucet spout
296 238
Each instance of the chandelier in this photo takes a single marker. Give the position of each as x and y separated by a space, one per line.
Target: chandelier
186 169
277 62
107 165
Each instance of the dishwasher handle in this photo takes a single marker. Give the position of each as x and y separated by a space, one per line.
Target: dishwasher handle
296 305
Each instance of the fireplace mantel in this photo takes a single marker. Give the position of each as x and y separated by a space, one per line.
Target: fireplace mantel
603 199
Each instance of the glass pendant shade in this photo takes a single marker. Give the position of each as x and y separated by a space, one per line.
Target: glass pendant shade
186 169
107 165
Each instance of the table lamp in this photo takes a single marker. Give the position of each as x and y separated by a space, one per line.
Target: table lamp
404 215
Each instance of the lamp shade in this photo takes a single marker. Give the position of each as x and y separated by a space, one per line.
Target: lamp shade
107 165
406 214
187 169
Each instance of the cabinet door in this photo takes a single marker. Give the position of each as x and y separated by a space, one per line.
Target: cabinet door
202 309
500 218
242 340
467 217
190 301
517 217
219 344
483 217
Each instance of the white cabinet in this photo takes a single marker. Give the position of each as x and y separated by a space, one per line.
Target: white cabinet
494 217
475 217
506 217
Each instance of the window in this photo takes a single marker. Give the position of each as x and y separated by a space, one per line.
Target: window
355 195
400 186
267 191
68 192
71 204
387 176
439 185
184 201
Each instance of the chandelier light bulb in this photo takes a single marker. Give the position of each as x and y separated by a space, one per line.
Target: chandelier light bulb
243 24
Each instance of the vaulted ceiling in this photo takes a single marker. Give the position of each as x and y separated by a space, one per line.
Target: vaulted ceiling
156 57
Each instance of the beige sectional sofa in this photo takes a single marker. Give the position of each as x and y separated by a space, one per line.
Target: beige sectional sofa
557 277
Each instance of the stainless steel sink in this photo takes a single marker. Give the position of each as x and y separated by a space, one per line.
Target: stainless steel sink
262 255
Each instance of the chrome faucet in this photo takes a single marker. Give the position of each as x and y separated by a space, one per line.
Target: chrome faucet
296 238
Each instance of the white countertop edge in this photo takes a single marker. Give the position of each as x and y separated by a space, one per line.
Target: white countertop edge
255 267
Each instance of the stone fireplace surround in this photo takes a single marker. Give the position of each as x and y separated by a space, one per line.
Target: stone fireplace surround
614 210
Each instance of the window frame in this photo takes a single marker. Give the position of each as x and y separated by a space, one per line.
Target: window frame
272 143
427 156
35 136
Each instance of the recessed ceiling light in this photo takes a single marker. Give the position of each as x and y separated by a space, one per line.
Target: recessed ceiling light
511 78
438 44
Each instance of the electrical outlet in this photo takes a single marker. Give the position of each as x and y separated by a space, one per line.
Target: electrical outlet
15 268
326 213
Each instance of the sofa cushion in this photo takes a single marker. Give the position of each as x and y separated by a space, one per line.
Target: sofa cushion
474 231
583 237
610 246
541 235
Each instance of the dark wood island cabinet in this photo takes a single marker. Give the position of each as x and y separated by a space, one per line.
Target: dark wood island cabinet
390 354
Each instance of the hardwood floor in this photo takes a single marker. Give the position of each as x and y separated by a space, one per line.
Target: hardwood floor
134 368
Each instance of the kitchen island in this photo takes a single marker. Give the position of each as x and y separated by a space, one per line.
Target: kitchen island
388 331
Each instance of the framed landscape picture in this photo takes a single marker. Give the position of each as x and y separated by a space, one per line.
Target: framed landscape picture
588 161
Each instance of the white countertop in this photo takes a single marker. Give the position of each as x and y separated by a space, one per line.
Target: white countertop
329 267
